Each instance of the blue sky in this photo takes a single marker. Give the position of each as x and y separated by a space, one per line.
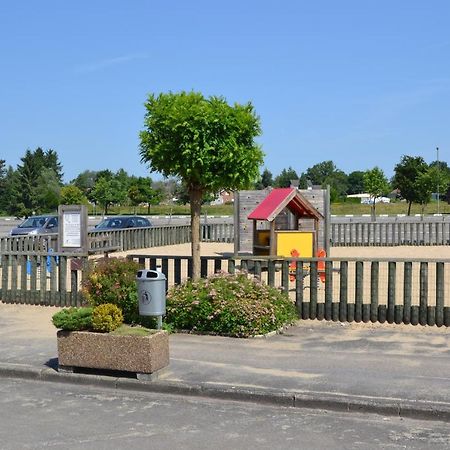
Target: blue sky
358 82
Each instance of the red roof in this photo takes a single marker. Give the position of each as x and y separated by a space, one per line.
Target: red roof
281 198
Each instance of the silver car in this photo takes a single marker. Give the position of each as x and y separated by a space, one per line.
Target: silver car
45 224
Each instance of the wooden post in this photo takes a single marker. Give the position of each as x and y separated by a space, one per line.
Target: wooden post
273 243
407 290
391 292
359 291
440 293
328 290
374 280
423 301
343 291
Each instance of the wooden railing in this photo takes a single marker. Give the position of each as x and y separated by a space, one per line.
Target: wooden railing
390 232
41 279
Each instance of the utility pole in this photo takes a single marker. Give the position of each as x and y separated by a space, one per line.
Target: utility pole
437 159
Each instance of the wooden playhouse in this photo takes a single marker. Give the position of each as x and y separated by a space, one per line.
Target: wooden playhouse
287 240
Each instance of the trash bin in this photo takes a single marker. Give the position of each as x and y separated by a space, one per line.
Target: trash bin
151 288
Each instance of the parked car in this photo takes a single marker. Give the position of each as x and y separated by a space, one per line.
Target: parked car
117 222
37 225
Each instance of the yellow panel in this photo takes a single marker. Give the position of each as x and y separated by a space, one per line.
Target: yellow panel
289 241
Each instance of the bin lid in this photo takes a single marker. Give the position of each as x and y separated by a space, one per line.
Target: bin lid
145 274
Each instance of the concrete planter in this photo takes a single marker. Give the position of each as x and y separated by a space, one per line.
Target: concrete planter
139 354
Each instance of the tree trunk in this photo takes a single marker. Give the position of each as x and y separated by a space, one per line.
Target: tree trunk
195 196
374 217
409 208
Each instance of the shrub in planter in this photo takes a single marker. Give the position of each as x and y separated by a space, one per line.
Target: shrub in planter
113 280
73 319
228 304
106 318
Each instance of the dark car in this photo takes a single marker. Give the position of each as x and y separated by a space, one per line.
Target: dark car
45 224
114 223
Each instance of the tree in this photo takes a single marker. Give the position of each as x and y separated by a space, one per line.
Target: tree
107 192
265 181
85 181
406 173
375 184
318 173
424 185
140 191
207 143
284 179
48 190
355 182
72 195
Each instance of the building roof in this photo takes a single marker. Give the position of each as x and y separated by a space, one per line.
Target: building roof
281 198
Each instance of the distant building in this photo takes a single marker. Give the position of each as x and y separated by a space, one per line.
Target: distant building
223 198
367 199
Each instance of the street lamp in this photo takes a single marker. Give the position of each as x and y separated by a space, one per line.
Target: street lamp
437 160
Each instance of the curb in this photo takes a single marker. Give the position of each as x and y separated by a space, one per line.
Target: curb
416 409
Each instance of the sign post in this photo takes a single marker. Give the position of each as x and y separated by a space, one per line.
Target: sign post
72 229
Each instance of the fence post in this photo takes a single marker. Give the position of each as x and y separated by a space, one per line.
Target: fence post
359 291
440 293
407 291
423 319
343 291
391 291
374 279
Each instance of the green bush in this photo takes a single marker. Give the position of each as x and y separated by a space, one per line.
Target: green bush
73 319
227 304
106 318
113 280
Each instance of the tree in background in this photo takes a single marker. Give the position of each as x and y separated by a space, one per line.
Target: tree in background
355 182
48 189
375 184
424 188
284 179
107 192
406 173
265 181
85 181
140 191
72 195
31 192
205 142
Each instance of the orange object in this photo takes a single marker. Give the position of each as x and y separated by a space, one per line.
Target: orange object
293 264
321 253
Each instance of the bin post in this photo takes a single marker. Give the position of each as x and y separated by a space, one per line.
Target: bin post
151 289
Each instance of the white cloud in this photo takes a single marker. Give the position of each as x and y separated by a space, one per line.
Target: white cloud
105 63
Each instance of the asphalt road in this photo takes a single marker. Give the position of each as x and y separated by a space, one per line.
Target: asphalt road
35 415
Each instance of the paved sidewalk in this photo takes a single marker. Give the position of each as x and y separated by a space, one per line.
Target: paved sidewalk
388 369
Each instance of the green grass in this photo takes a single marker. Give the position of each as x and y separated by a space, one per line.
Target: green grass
127 330
399 207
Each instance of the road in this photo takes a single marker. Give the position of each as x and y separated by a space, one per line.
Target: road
36 415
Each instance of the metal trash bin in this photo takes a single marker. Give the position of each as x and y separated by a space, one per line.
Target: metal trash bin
151 289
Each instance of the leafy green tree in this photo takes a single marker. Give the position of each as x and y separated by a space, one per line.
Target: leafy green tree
355 182
424 185
406 173
284 179
140 191
85 181
318 173
338 182
375 184
48 191
107 192
72 195
205 142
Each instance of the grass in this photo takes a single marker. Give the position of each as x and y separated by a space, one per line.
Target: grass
399 207
127 330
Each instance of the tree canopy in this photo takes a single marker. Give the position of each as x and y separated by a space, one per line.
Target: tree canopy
207 143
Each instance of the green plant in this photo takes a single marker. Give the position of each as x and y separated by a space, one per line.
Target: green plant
73 319
106 318
228 304
113 280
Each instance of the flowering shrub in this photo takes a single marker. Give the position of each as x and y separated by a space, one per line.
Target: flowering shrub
228 304
113 280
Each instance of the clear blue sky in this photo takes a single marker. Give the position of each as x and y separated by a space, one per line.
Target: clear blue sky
359 82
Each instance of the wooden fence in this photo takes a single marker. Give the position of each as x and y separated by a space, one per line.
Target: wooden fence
41 279
346 290
390 232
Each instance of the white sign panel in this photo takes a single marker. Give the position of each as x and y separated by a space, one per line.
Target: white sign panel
71 229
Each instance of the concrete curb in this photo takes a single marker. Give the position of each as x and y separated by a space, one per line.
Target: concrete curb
416 409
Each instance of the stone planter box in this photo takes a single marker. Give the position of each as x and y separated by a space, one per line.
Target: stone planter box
139 354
